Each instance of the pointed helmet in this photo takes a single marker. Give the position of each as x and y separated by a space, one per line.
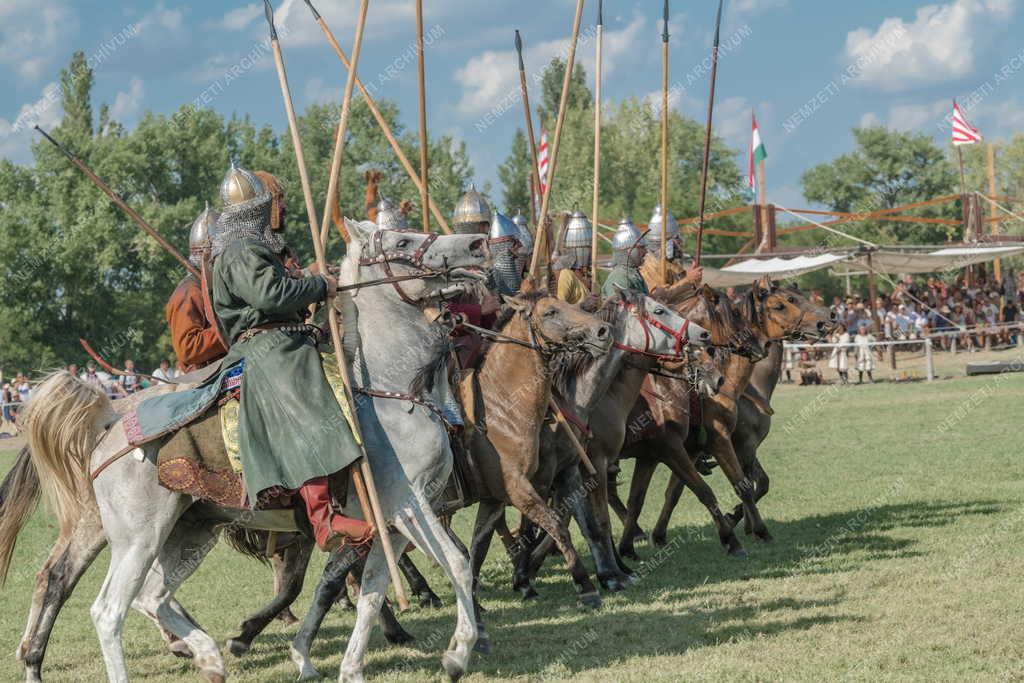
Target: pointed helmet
200 237
239 186
662 225
624 242
471 213
389 217
576 238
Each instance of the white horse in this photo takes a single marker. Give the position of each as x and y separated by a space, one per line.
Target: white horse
158 537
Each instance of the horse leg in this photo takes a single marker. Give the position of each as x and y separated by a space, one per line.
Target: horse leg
614 499
571 494
721 446
289 574
418 583
522 494
56 580
330 587
393 631
659 535
279 565
642 473
180 555
487 514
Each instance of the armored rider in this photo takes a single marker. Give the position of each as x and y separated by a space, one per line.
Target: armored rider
628 253
292 430
659 228
573 264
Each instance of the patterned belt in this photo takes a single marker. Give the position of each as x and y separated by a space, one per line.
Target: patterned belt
313 331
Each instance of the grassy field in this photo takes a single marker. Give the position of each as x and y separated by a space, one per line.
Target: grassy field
897 510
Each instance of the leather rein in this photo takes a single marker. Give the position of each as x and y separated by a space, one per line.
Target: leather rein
385 258
647 321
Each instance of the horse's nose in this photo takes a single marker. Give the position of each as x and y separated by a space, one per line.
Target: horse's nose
602 332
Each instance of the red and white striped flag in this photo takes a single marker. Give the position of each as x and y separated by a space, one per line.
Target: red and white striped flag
963 132
542 160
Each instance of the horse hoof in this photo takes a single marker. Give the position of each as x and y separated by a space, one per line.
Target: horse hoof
591 600
214 676
452 668
765 537
237 647
628 552
307 672
431 601
180 649
402 637
738 553
529 593
286 617
660 540
630 579
483 644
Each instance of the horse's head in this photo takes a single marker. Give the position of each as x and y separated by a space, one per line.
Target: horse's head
651 327
785 313
556 325
437 265
712 310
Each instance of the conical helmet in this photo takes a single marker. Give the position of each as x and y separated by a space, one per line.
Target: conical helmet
658 227
200 237
525 238
576 239
389 217
471 212
626 237
239 186
503 229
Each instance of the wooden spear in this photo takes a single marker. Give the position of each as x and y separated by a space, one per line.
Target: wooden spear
424 184
539 245
594 283
121 204
534 173
381 121
707 133
362 477
664 147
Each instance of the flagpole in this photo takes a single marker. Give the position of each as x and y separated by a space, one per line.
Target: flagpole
421 67
597 149
570 61
707 133
664 147
535 173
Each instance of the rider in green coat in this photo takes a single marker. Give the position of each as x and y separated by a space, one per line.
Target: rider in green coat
627 254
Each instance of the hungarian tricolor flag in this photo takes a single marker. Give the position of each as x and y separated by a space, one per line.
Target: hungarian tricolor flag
542 160
963 132
757 152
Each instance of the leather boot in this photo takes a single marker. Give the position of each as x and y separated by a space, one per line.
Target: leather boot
330 529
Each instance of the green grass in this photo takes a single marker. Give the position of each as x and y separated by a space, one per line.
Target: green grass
898 515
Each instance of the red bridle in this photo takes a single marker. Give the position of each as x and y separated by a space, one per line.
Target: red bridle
645 320
385 257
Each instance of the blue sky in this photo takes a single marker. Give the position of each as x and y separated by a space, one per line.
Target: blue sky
812 69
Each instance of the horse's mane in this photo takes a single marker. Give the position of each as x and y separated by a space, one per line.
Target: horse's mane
423 381
566 367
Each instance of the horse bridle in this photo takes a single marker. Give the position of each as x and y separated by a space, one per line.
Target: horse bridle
416 260
647 319
546 347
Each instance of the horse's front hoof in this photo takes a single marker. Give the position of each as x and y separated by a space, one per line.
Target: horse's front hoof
430 601
236 647
764 537
287 617
180 649
307 672
452 667
483 644
400 637
628 552
591 600
738 553
529 592
659 539
214 676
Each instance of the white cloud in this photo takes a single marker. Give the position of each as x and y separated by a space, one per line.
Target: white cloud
30 34
318 91
750 6
238 19
490 79
919 117
16 136
869 120
938 45
162 18
127 105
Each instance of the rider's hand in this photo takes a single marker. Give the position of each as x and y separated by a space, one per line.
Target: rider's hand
490 304
694 275
332 285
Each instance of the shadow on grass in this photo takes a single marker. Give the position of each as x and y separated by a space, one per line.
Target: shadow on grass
556 633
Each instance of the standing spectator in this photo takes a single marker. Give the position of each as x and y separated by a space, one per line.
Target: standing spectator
865 361
164 372
73 369
838 361
24 388
90 376
7 397
128 383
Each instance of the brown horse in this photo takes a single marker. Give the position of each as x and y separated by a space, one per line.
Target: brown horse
776 314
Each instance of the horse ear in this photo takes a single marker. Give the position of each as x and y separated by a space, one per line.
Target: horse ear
517 303
529 285
710 294
359 229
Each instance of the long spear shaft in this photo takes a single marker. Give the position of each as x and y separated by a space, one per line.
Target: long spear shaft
664 148
594 288
121 204
539 245
535 172
381 121
421 67
362 477
707 132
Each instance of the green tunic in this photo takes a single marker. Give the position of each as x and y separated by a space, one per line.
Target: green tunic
625 277
291 428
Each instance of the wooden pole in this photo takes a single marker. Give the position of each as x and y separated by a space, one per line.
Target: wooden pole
564 424
362 477
535 171
594 215
421 66
121 204
379 118
966 206
707 132
663 271
997 266
539 245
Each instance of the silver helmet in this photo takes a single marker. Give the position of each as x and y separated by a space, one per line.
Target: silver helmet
503 242
576 240
470 213
525 240
200 237
389 217
245 213
657 227
625 241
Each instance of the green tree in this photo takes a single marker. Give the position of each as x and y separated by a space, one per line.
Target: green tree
579 98
515 175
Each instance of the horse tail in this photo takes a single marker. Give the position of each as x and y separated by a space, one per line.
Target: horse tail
61 421
19 494
250 542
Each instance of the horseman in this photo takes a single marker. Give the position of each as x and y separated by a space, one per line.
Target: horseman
505 242
628 253
659 228
573 264
194 334
292 430
472 214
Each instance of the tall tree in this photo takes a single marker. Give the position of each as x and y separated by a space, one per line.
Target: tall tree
515 175
580 97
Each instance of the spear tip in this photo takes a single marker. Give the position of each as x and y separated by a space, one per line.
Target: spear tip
600 12
718 22
316 15
268 10
519 50
664 33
